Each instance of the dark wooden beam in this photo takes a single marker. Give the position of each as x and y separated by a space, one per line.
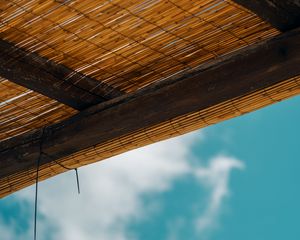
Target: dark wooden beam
247 71
282 14
51 79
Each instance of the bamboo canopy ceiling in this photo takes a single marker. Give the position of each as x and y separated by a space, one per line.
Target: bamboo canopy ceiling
81 81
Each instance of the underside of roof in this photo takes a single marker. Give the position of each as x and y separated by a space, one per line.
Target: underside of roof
81 81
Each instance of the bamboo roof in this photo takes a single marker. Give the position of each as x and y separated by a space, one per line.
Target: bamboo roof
126 45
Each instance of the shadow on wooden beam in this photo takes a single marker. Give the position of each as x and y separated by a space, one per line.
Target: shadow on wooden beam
51 79
282 14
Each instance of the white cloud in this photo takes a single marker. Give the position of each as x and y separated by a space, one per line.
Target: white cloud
113 190
7 232
215 177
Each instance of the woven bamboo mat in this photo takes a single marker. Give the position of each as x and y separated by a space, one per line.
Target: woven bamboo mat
126 44
129 44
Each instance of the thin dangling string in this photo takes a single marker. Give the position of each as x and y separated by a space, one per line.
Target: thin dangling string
77 178
67 168
37 181
37 184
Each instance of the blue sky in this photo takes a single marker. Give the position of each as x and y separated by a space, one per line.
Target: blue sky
235 180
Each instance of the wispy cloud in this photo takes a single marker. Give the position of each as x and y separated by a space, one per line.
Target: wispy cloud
215 177
113 190
7 231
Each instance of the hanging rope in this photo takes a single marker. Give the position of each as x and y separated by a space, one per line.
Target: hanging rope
37 181
37 184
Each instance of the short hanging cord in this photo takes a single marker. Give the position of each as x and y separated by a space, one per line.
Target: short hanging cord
77 178
67 168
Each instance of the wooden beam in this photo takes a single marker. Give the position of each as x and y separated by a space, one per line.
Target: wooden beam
282 14
249 70
51 79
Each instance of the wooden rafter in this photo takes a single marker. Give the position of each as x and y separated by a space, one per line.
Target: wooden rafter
51 79
249 70
282 14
